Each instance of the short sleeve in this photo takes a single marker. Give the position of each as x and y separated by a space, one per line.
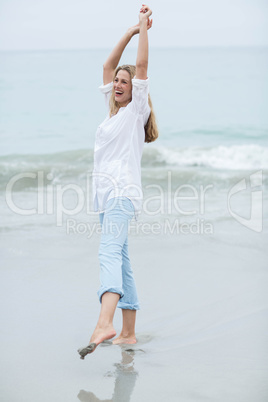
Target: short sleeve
140 92
106 90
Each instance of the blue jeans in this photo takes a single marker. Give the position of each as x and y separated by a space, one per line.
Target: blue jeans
116 274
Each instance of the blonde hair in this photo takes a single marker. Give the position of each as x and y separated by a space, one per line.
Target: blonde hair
151 130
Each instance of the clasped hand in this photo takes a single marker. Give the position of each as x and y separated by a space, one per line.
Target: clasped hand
144 15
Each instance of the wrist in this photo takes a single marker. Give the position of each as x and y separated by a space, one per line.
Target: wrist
130 32
143 22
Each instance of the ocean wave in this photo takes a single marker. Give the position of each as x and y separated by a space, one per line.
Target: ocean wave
235 157
191 162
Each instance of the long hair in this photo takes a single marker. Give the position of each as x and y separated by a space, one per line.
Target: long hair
151 130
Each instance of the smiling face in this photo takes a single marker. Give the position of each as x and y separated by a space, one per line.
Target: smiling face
123 88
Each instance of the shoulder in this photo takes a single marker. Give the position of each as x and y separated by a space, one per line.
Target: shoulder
138 83
140 92
105 88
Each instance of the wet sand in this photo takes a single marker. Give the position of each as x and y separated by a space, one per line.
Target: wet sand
201 330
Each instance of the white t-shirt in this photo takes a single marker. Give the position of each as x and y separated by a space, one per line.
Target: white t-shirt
119 143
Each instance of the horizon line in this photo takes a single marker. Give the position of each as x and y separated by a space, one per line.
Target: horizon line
133 47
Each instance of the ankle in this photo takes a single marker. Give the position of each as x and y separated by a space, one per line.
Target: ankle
127 334
104 325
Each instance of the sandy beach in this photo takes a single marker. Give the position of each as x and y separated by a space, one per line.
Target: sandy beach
201 330
198 251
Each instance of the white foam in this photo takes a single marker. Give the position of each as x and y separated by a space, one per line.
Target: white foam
221 157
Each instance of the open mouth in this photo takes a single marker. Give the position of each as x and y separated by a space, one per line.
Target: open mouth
118 93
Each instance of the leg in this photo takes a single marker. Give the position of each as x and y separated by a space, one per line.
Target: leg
114 233
128 330
104 329
111 251
129 302
130 299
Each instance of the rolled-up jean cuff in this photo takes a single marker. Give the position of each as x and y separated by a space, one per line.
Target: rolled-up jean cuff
126 306
111 290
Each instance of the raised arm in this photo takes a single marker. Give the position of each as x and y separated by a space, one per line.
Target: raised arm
143 47
112 61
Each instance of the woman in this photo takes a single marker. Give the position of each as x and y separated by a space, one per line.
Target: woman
117 192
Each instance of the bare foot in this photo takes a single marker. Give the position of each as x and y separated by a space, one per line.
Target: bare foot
120 340
99 335
102 334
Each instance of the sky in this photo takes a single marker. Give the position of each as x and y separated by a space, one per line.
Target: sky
83 24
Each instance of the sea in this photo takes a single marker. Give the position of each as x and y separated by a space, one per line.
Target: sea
211 110
198 247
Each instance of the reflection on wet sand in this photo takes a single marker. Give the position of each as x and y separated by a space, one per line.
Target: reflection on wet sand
125 375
